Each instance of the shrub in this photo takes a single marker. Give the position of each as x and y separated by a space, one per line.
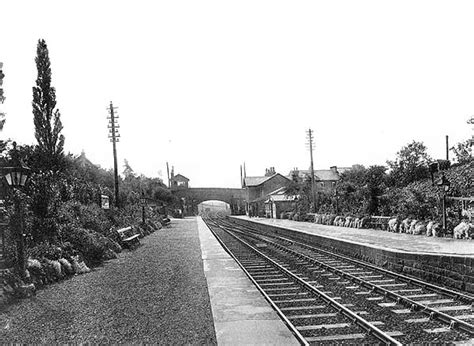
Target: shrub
45 250
92 245
89 216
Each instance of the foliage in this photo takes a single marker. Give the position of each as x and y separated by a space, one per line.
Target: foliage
89 216
128 171
351 191
94 246
45 250
375 180
410 164
463 152
47 119
43 190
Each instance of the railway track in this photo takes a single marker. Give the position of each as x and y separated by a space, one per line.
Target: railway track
328 298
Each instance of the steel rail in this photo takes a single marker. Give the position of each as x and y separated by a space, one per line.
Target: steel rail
288 323
463 297
367 326
415 306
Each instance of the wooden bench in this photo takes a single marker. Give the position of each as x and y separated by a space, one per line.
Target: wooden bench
379 222
128 238
164 220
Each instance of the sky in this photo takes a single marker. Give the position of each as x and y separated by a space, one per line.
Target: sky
208 85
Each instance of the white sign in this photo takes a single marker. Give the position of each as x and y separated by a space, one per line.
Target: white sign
104 202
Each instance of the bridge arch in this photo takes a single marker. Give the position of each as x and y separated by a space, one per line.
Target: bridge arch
192 197
213 207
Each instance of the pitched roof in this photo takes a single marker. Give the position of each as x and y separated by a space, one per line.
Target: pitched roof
255 181
325 174
83 161
180 177
319 174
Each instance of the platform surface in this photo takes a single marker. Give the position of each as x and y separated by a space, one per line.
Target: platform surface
398 242
241 315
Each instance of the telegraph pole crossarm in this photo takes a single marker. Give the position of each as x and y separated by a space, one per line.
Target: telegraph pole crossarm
114 138
310 140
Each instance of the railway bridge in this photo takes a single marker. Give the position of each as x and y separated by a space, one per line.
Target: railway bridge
191 197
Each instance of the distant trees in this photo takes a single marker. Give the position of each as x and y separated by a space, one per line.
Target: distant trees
61 202
463 152
360 189
376 184
47 119
128 171
410 164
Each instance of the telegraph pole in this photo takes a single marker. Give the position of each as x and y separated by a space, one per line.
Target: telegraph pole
310 140
114 138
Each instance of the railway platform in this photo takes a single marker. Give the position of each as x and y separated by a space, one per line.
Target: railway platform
399 242
241 315
442 260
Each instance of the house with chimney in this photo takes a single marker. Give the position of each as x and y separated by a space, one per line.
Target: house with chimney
178 181
258 188
325 179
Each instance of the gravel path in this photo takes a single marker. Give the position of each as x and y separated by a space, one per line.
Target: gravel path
154 294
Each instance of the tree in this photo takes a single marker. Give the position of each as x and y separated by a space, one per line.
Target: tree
463 152
2 120
351 191
47 118
128 171
410 164
375 185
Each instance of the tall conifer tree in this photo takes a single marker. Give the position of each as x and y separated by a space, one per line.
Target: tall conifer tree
47 119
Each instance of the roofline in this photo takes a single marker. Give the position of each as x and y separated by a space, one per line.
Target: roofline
267 178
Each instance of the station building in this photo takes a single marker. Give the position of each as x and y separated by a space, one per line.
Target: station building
258 188
267 197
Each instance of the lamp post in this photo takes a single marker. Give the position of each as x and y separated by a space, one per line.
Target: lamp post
444 184
17 176
296 204
143 202
336 196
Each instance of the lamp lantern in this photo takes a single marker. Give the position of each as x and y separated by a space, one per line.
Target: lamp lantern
17 175
445 184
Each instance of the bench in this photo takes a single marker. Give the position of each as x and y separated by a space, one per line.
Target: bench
128 238
164 220
379 222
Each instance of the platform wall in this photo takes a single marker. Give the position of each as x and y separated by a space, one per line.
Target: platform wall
452 271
